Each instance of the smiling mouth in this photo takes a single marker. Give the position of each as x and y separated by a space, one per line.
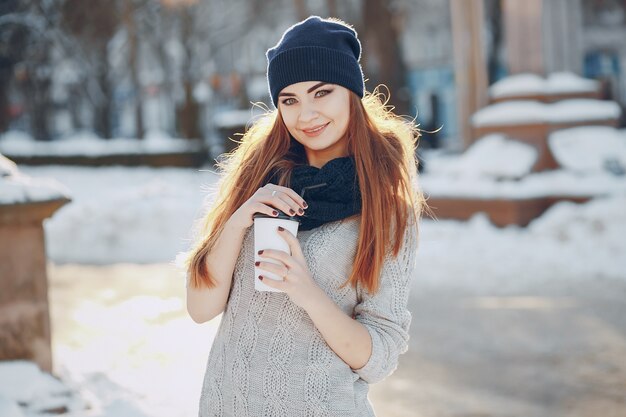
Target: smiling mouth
316 130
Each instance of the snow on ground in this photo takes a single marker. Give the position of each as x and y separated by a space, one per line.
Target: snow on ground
126 339
530 111
569 242
86 143
26 391
556 83
145 215
22 382
123 214
140 215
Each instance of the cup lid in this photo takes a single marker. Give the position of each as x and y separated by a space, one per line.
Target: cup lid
281 216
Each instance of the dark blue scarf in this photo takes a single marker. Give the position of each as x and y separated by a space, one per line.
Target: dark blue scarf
332 192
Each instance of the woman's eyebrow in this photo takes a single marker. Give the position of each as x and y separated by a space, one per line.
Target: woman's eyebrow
308 91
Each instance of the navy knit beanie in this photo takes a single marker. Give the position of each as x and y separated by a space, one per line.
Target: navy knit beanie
315 49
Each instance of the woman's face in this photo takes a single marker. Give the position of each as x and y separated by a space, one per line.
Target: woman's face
308 105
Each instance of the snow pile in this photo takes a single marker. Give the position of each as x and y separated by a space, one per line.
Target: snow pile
568 82
581 109
532 84
541 184
86 143
9 408
18 188
593 161
589 149
516 85
568 244
510 112
492 156
25 390
530 111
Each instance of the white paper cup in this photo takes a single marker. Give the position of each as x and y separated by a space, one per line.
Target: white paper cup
266 237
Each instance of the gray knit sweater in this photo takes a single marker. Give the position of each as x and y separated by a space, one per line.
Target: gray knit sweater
268 358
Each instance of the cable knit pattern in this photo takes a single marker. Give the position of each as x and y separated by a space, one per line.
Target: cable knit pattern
279 359
268 358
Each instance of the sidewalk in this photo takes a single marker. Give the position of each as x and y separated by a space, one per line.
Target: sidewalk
553 351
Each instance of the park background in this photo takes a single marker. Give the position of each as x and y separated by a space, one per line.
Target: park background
114 113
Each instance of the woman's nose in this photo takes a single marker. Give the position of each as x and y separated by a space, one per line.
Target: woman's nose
308 113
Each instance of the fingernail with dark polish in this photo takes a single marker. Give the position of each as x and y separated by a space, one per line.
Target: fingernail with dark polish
257 263
275 213
305 204
261 277
261 252
300 211
292 212
281 228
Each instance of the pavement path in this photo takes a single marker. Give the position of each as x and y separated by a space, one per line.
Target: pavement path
557 350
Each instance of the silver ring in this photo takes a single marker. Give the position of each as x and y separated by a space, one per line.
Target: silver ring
273 193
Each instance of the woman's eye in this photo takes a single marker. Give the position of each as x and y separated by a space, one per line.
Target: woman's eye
320 93
326 92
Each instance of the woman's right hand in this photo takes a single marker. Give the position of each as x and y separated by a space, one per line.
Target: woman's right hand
267 200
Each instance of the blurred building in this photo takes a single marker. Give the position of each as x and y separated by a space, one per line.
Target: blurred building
584 37
207 57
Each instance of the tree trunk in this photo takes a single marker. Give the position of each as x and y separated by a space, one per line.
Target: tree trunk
40 109
131 30
331 5
384 53
301 10
5 75
470 67
189 114
37 96
103 106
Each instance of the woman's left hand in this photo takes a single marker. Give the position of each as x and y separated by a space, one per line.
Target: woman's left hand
297 283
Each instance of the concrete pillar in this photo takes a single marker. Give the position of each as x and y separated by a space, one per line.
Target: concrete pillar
470 66
542 36
562 33
24 313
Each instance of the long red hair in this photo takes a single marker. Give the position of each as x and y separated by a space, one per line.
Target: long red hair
384 146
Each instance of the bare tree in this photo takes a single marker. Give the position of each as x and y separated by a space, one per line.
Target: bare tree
208 30
93 24
12 33
27 58
128 17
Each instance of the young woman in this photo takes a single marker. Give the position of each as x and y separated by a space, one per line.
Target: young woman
341 319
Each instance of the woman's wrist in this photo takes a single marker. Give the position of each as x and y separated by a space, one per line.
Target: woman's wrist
232 226
316 300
